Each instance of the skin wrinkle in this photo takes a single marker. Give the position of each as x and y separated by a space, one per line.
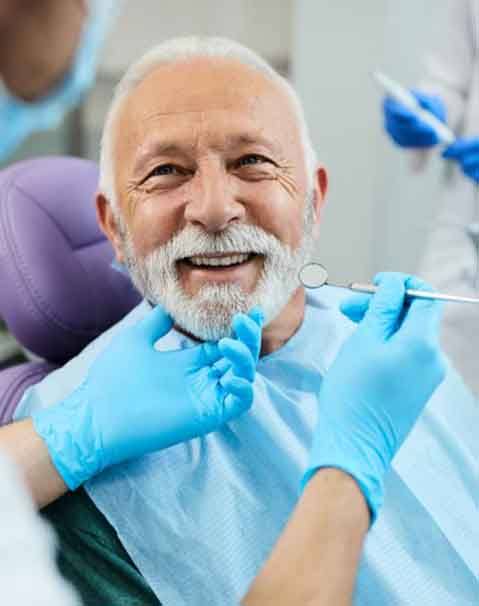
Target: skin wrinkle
220 181
184 149
282 172
266 173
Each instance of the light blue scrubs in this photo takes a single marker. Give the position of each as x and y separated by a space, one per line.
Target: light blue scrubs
18 119
200 518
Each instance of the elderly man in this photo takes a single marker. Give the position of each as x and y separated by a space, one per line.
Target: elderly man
211 195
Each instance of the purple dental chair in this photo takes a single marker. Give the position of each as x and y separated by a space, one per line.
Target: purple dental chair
57 288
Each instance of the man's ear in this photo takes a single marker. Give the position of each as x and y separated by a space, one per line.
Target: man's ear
320 189
109 225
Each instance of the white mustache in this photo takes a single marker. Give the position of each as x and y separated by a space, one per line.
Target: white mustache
246 239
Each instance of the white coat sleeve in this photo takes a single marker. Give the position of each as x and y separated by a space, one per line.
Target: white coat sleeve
450 61
448 64
28 573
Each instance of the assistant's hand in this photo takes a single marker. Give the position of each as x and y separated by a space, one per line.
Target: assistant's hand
378 385
136 399
405 129
466 153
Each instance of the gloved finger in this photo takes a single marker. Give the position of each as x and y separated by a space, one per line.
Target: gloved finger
354 308
238 387
424 133
415 127
257 314
394 110
453 151
242 361
460 147
423 316
248 332
415 134
206 354
211 352
470 162
233 406
384 313
472 173
432 103
220 367
156 324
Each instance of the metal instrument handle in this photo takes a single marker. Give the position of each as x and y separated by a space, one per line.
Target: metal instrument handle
416 294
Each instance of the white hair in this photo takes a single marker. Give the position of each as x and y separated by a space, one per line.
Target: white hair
174 51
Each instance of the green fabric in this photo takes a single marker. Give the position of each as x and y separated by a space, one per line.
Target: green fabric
91 556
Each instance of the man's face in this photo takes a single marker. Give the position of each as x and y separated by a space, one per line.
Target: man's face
213 193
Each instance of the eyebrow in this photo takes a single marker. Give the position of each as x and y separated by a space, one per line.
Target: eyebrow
175 148
245 139
157 148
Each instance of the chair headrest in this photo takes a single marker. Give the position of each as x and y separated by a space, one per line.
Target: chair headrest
14 381
57 288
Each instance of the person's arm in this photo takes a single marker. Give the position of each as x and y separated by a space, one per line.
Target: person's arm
95 426
38 40
369 400
316 558
24 446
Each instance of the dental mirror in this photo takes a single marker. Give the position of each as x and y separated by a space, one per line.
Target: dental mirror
314 275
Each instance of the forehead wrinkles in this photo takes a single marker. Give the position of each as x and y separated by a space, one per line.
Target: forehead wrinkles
220 131
197 132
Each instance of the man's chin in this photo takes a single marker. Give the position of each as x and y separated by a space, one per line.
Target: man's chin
208 315
207 325
205 332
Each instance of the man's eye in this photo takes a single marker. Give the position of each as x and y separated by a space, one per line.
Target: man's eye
165 170
251 160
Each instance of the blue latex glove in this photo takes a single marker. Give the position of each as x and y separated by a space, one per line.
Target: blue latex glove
378 385
466 153
405 129
136 399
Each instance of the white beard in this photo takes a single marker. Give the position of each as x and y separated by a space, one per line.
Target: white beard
207 315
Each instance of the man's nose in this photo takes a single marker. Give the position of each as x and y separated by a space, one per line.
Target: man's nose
213 202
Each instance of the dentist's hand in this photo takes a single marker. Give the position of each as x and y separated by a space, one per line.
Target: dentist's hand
136 399
405 129
378 385
466 153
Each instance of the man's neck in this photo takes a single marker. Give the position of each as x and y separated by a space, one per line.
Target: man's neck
284 326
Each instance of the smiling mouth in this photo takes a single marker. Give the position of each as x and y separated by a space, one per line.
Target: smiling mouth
218 262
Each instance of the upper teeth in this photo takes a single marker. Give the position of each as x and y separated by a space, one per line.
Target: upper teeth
231 260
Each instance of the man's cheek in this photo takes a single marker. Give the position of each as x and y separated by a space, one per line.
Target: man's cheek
150 230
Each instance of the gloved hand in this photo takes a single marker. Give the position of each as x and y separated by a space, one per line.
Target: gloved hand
466 153
378 385
136 399
405 129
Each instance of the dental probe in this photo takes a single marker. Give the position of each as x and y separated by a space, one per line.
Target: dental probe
403 96
315 275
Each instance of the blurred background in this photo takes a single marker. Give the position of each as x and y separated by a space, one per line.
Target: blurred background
377 216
